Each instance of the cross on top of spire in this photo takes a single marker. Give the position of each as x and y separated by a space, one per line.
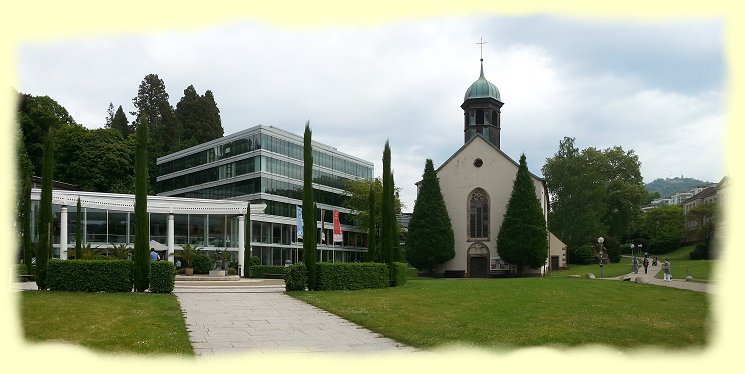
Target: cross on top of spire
481 45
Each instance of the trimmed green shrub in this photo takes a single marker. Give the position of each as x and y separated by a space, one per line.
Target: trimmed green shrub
202 263
351 275
162 276
266 271
254 260
399 276
91 275
583 254
296 277
700 252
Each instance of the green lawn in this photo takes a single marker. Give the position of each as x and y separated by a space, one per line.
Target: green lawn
141 323
702 270
609 270
503 314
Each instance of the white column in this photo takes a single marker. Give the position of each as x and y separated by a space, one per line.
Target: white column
171 248
63 234
241 243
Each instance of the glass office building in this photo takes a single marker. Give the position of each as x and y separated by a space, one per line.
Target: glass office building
264 165
107 220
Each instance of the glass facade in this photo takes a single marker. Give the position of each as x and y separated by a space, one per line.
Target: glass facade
268 161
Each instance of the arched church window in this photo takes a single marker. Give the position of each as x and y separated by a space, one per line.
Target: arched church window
478 214
479 117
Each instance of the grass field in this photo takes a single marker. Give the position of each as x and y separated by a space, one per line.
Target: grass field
609 270
504 314
141 323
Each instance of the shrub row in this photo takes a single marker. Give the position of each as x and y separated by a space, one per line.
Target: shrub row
351 275
265 271
296 277
91 275
107 276
162 276
399 274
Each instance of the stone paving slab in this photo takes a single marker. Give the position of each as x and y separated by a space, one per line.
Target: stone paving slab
247 321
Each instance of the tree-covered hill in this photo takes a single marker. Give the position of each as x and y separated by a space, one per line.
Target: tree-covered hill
669 186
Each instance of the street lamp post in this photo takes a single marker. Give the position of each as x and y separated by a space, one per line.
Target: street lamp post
600 241
632 249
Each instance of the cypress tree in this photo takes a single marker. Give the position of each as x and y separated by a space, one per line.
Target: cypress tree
142 227
309 210
46 216
78 232
372 251
430 241
388 231
26 222
247 241
522 239
25 170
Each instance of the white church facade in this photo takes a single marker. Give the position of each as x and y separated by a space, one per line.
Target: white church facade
476 184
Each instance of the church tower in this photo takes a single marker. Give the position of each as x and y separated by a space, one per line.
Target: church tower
481 110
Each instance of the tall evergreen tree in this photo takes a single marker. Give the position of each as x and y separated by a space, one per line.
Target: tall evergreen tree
247 241
46 217
389 215
199 117
431 240
309 210
373 254
120 123
79 231
23 187
523 239
142 226
163 128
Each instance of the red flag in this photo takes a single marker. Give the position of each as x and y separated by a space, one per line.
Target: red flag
337 228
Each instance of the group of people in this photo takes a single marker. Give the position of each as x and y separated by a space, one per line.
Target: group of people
645 262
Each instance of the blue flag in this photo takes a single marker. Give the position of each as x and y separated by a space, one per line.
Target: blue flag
299 222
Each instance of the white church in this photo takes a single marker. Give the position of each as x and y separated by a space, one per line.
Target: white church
476 183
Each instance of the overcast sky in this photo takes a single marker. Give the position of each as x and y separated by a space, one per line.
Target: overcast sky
655 87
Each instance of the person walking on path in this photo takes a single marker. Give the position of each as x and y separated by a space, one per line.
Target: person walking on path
666 270
634 265
646 264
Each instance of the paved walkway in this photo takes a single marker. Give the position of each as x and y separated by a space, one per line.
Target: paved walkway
651 275
258 317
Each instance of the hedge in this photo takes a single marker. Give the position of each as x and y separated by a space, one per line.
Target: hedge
296 277
399 274
351 275
261 271
91 275
162 276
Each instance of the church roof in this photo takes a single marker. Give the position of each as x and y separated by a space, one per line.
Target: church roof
491 145
482 88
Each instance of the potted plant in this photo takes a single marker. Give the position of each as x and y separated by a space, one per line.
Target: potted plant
189 254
